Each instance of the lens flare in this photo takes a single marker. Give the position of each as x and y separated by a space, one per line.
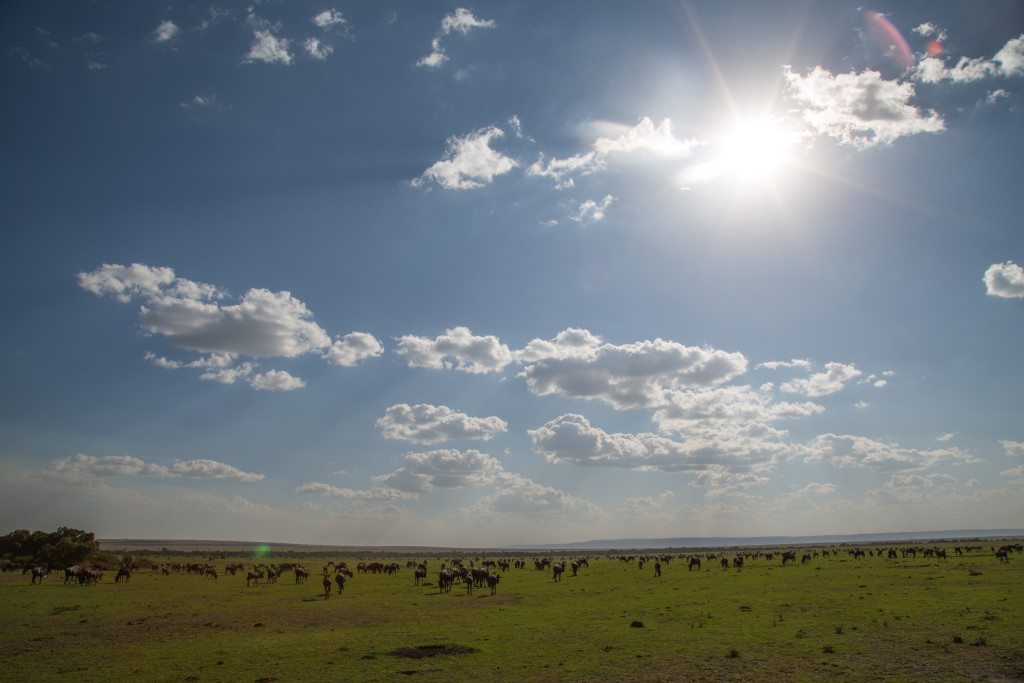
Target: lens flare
934 48
893 44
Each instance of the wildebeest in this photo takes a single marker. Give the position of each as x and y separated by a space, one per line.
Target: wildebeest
556 571
940 554
738 562
327 585
211 573
253 578
301 575
1002 555
788 556
694 563
445 579
72 573
657 568
492 582
805 558
37 574
725 563
339 579
122 573
418 576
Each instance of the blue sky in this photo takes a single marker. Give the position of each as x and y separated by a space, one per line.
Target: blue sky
511 272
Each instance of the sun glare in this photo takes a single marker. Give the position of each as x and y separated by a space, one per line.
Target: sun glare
757 150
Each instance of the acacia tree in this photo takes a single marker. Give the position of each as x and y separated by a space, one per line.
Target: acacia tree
61 548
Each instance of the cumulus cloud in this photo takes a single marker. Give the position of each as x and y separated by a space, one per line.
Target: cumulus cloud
912 488
643 138
266 47
523 497
317 49
88 466
353 348
823 383
591 210
713 460
1009 61
861 452
1013 447
1005 280
457 348
948 436
468 162
861 405
577 363
1013 473
859 109
329 18
165 32
319 489
927 29
192 315
460 21
446 469
734 410
429 424
276 380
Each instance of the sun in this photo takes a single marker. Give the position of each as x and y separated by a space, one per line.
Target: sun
757 150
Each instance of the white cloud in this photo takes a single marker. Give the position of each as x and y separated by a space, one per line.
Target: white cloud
329 18
355 494
266 47
202 102
859 109
428 424
590 210
165 32
211 469
88 466
645 137
1005 280
1013 473
353 348
878 384
1009 61
191 315
317 49
861 405
276 380
437 56
457 348
1013 447
861 452
96 66
526 498
733 410
943 438
469 162
996 95
823 383
713 460
577 363
461 21
444 469
928 30
792 363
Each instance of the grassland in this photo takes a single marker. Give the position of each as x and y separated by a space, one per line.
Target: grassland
836 617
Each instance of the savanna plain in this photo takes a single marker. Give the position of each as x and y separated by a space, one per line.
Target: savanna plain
835 616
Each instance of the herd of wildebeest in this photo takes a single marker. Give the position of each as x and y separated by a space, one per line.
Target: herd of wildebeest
478 572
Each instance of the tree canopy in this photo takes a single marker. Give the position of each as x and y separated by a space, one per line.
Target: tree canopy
61 548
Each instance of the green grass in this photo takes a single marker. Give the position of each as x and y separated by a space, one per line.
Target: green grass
834 618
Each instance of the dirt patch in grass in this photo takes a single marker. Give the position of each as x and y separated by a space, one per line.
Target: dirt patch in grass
421 651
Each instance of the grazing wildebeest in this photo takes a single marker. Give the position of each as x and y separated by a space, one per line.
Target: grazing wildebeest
575 566
941 555
1002 555
122 573
301 575
694 563
725 563
445 579
339 579
738 562
37 574
556 571
418 576
492 582
253 578
657 568
211 573
327 585
805 558
788 556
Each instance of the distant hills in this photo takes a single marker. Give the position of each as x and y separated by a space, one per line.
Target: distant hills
602 544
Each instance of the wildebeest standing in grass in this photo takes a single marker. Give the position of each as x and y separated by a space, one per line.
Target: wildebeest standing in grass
657 568
327 585
694 564
738 562
122 573
301 575
211 573
253 578
37 574
788 556
725 563
556 571
492 582
339 579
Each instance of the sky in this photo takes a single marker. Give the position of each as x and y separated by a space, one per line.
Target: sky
424 273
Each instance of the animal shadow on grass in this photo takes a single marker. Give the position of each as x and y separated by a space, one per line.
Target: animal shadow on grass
421 651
